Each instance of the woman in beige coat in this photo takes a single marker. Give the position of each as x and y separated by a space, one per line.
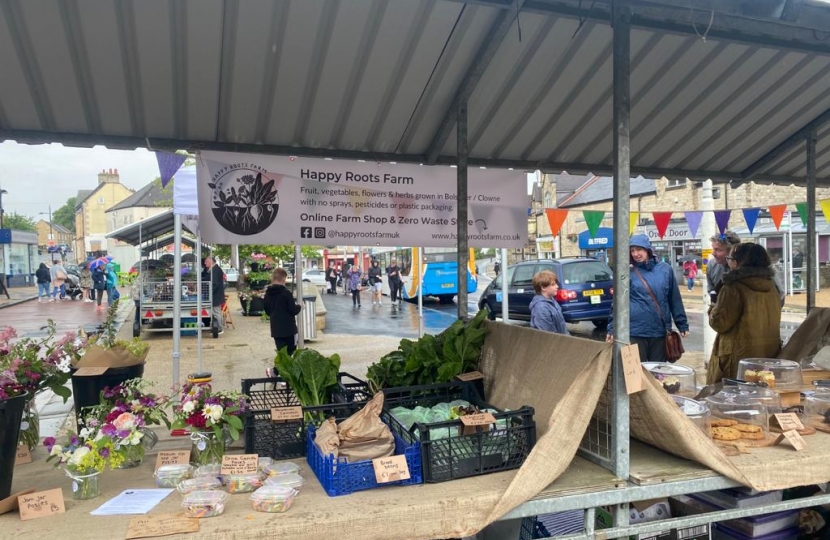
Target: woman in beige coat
747 316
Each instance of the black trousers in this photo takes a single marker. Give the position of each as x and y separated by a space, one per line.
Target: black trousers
651 349
333 289
394 289
287 342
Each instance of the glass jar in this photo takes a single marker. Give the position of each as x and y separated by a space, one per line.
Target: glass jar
817 410
676 379
30 426
695 411
207 449
84 486
784 375
767 396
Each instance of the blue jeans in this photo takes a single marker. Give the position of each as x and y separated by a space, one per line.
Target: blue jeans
62 290
690 282
42 290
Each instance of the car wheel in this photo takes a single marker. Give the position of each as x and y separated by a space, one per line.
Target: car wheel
445 298
600 323
491 314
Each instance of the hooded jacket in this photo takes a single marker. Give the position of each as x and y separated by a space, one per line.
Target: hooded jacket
644 318
546 314
281 308
42 274
747 318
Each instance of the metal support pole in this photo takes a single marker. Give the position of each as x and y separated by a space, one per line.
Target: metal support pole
177 296
198 265
622 187
420 267
707 231
810 246
461 209
505 308
235 256
298 290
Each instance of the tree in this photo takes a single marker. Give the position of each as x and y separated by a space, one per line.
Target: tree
278 253
65 215
18 222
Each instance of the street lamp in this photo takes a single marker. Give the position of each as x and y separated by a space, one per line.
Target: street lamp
2 192
51 232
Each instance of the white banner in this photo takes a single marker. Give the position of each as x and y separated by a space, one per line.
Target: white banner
255 199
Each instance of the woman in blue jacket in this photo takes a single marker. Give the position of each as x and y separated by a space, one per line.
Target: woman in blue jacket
647 329
112 283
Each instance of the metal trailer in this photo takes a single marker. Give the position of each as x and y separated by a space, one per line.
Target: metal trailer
156 306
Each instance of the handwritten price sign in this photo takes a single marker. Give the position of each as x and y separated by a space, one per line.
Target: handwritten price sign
390 469
284 414
172 457
41 504
240 464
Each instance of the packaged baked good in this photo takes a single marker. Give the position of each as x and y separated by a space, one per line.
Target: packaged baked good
204 483
203 504
675 378
695 411
273 499
783 375
747 415
294 481
242 483
282 467
169 476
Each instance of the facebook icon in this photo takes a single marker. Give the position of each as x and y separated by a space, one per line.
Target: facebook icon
305 232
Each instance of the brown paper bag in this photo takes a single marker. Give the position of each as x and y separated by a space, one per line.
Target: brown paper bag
327 439
116 357
364 435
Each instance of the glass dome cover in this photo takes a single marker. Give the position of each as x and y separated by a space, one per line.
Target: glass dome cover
695 411
740 413
817 410
675 379
772 372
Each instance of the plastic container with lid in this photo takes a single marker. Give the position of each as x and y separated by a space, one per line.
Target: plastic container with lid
213 470
676 379
784 375
263 462
273 499
294 481
746 415
202 504
817 409
695 411
243 483
282 467
767 396
169 476
203 483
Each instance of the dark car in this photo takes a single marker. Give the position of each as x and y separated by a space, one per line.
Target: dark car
585 289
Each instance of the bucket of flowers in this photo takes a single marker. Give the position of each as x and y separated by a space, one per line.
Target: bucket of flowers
212 417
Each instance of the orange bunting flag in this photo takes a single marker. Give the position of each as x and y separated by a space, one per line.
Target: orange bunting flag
634 219
825 209
556 217
777 213
661 221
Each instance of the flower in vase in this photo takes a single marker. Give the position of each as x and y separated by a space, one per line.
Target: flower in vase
213 412
125 421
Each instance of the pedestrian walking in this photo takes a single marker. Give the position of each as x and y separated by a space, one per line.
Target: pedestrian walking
497 268
282 310
44 278
690 273
654 302
376 283
393 275
112 284
747 316
217 292
545 311
354 285
331 278
86 282
344 273
58 276
99 283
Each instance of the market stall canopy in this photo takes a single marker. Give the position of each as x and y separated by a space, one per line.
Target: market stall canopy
147 231
721 94
164 241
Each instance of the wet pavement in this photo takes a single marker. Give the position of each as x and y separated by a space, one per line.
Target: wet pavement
30 317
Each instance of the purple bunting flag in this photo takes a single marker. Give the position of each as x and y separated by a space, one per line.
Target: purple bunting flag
168 165
693 219
751 216
722 219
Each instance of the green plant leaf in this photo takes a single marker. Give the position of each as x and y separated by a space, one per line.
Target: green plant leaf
63 392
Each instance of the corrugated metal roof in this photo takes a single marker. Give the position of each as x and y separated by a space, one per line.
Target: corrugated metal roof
366 78
153 195
601 188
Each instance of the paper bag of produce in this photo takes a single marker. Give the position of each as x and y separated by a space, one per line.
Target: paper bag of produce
115 357
327 439
364 435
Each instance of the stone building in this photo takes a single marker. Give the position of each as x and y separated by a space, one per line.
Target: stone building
53 235
91 224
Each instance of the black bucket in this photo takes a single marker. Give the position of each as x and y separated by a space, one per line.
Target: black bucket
86 391
11 413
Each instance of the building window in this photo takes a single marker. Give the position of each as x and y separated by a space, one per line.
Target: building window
676 183
101 200
548 200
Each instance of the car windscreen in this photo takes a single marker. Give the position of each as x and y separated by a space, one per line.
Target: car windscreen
523 276
583 272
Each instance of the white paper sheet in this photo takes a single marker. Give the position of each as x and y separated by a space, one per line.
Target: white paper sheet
132 501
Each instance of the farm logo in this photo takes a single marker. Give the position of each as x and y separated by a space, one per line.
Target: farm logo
243 202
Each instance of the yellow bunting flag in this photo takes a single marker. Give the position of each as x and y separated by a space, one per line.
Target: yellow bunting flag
634 218
825 209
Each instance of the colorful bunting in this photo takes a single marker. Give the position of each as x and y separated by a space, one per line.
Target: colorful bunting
722 219
751 216
693 219
777 213
634 219
825 209
661 220
169 164
593 218
802 212
556 217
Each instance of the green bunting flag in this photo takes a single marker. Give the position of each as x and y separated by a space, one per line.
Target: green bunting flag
802 212
593 218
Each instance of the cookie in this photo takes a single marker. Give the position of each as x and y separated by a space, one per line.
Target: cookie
723 422
758 436
725 434
748 428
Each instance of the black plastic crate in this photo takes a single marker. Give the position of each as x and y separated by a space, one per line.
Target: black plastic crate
351 389
454 456
281 440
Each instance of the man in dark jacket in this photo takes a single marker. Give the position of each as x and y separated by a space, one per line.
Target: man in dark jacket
44 278
217 291
282 309
393 274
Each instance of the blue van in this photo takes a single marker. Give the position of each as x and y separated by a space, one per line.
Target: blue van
586 289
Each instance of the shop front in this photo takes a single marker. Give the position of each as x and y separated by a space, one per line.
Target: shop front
598 246
546 247
677 244
18 257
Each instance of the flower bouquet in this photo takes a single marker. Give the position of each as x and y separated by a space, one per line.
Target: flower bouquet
211 416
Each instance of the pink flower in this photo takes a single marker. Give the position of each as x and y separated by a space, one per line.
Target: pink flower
125 421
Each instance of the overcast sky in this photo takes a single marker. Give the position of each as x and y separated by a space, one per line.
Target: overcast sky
36 176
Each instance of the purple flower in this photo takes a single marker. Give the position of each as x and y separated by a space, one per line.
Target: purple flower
49 442
124 433
109 430
104 452
74 441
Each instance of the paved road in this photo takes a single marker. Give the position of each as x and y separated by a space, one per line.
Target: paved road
30 318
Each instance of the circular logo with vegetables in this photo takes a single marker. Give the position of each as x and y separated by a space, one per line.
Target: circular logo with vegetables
243 202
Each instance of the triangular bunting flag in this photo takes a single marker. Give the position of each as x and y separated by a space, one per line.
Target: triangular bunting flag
802 212
634 219
168 165
661 220
777 214
693 219
556 218
593 218
825 209
722 219
751 216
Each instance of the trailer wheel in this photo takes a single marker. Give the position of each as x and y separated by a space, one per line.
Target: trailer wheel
136 329
215 332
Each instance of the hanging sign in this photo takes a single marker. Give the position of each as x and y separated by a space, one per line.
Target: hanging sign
257 199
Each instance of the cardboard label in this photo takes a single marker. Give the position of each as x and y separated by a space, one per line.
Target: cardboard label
793 438
161 525
788 421
285 414
481 419
471 376
10 503
390 469
41 504
632 369
23 455
172 457
90 371
240 464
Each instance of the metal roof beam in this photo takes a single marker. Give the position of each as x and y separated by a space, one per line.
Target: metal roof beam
486 52
785 146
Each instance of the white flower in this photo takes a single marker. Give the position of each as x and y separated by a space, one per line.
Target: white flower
188 407
56 450
78 455
213 412
85 433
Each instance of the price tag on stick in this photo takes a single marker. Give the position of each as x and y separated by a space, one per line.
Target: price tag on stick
471 376
23 455
793 438
390 469
172 457
632 369
788 421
